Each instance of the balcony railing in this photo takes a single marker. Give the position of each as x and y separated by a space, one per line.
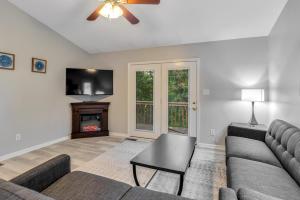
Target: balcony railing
178 116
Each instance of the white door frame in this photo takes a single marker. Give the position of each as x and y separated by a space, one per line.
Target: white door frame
131 98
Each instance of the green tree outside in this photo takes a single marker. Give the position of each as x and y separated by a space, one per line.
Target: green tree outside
178 90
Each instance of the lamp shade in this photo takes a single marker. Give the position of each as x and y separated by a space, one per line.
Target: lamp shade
254 95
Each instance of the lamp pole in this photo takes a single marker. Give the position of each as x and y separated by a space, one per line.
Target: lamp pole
253 121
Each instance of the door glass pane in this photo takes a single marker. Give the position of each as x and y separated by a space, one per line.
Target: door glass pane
144 100
178 101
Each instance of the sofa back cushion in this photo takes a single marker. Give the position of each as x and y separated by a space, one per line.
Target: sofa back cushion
284 140
11 191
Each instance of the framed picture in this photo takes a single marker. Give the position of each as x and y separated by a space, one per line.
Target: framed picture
39 65
7 61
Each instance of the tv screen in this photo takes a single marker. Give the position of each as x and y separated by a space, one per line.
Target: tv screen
89 82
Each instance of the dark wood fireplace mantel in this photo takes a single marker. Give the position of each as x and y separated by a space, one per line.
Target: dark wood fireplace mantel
89 119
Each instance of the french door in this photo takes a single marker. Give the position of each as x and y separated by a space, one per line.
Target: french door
163 99
144 101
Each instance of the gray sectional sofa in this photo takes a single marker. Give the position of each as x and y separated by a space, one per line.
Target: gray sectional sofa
54 181
264 170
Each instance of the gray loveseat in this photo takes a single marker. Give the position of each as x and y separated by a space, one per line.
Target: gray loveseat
264 170
54 181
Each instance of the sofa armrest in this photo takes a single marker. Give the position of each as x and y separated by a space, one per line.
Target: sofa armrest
227 194
42 176
250 133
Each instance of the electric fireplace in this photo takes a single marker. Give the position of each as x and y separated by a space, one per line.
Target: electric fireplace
89 119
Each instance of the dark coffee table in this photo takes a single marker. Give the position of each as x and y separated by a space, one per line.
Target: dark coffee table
169 153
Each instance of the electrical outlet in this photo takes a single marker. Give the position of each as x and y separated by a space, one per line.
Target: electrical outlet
18 137
213 132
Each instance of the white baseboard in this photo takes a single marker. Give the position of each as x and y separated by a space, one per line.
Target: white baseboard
117 134
212 146
35 147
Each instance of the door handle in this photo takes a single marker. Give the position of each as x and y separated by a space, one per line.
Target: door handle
194 107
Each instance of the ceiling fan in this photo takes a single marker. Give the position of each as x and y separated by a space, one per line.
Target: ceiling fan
115 8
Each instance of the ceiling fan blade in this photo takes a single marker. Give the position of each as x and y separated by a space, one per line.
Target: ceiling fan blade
143 1
128 15
95 14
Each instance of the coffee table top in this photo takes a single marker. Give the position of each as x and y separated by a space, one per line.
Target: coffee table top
171 153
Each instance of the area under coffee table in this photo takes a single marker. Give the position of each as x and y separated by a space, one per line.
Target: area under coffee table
169 153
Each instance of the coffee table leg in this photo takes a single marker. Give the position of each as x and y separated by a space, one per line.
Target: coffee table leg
180 184
191 157
134 175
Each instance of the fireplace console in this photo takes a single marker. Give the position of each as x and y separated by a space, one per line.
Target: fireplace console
89 119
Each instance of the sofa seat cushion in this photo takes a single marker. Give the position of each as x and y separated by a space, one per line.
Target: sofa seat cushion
261 177
11 191
81 185
250 149
246 194
139 193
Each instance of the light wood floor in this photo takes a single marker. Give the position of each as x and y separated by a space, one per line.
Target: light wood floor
80 150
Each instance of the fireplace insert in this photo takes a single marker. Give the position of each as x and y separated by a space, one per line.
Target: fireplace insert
90 122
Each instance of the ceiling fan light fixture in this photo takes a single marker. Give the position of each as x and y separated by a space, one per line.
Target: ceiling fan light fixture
111 11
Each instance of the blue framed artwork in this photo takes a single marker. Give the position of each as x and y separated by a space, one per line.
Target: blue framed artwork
7 61
39 65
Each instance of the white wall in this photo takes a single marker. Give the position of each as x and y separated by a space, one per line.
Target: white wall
284 73
32 104
226 67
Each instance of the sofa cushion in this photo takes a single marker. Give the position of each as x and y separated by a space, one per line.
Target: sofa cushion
284 140
139 193
264 178
246 194
81 185
250 149
11 191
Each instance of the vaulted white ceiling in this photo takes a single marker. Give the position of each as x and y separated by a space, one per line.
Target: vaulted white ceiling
173 22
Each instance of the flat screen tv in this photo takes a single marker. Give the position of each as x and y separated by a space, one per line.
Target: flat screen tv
89 82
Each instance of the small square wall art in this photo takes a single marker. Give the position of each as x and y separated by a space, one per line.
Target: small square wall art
39 65
7 61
